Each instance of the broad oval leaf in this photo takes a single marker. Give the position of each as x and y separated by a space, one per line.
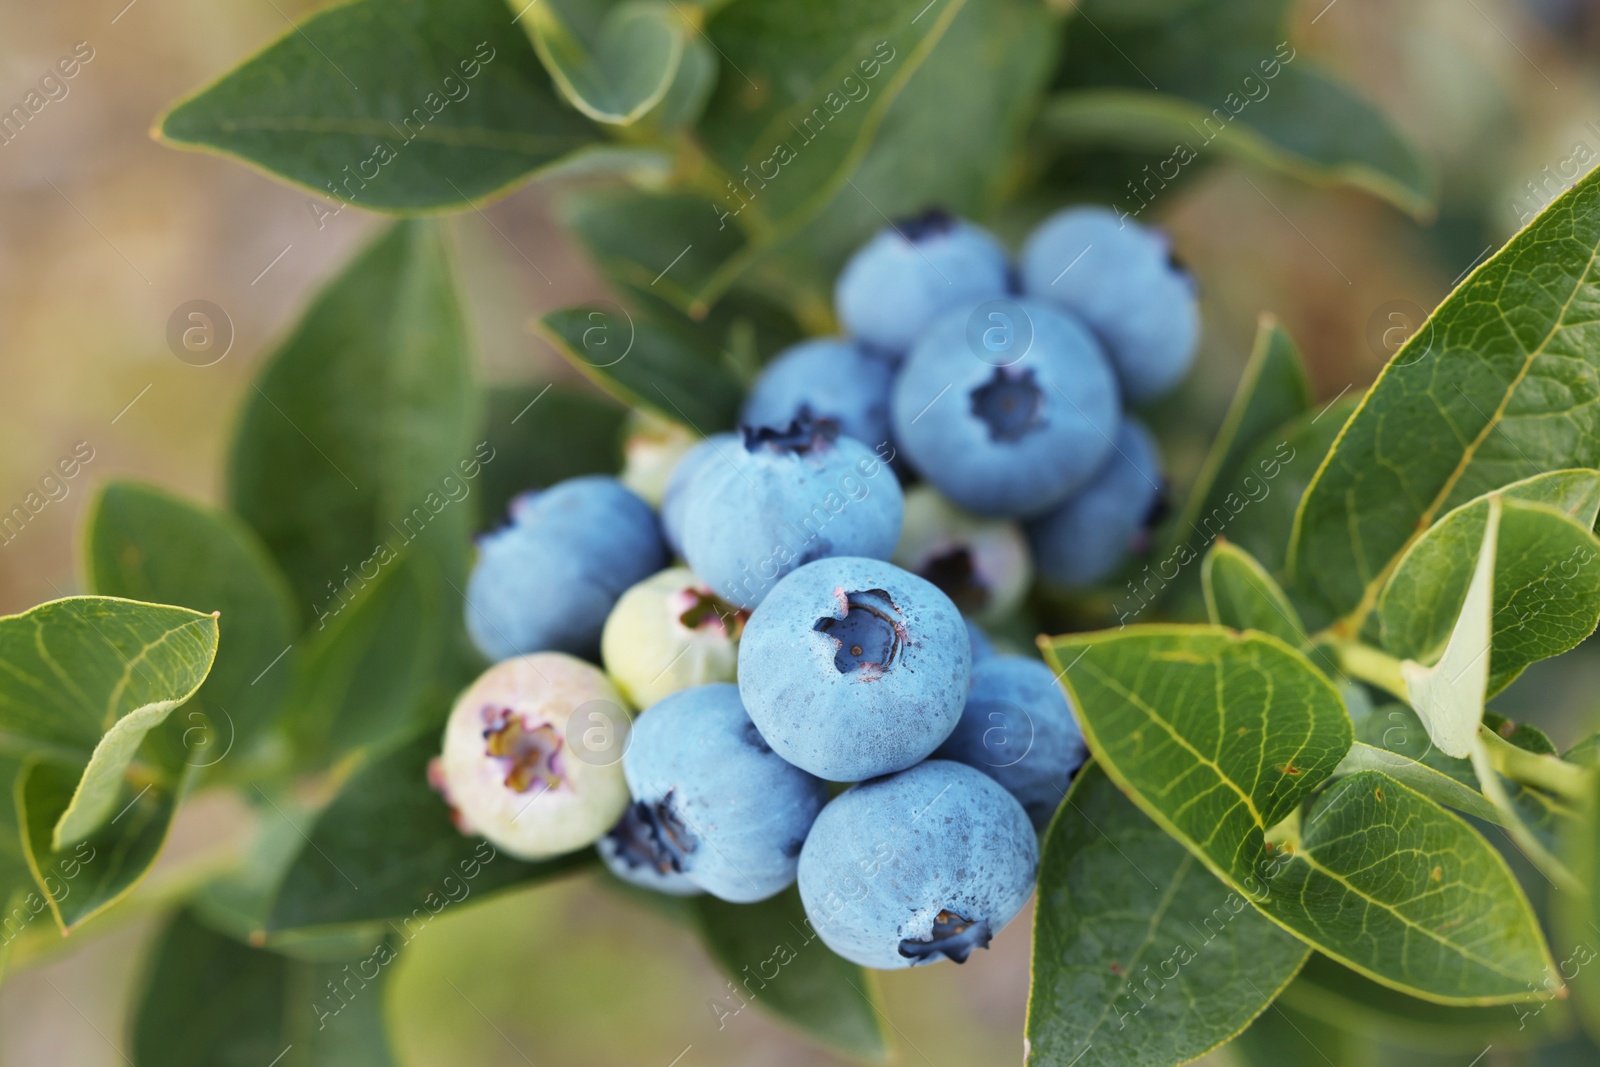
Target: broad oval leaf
1220 77
801 96
1139 952
386 849
146 544
1241 595
372 670
208 999
1498 385
828 998
1546 596
356 441
642 363
82 879
393 105
540 435
1219 737
1272 391
87 678
624 71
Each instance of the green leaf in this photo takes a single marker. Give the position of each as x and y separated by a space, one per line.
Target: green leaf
802 94
385 849
1138 951
1221 737
146 544
372 670
1241 595
208 999
1497 386
641 363
1393 740
87 876
540 435
1257 506
1546 598
1339 997
829 999
361 425
1272 391
621 73
86 679
1220 78
393 105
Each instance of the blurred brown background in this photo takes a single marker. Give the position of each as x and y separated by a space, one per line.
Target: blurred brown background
104 233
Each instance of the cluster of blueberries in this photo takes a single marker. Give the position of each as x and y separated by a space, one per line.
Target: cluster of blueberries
825 628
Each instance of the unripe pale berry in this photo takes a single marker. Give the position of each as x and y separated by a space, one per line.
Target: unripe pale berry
669 633
533 756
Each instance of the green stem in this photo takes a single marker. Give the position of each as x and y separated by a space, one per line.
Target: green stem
1372 666
1532 847
1546 772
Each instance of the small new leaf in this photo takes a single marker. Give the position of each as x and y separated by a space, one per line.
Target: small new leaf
1449 695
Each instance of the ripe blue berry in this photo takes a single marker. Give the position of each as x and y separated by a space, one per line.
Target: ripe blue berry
981 564
1083 541
675 500
1118 277
629 851
898 282
853 668
786 497
548 580
1007 408
826 379
508 770
982 647
1018 728
711 799
926 864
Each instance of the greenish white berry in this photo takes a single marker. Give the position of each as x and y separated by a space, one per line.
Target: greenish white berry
651 448
669 633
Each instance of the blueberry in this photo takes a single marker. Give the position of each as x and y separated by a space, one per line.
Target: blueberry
926 864
1083 540
899 281
982 647
669 633
830 379
981 564
784 498
1007 407
853 668
1119 277
1018 728
675 499
712 801
620 850
548 580
508 770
